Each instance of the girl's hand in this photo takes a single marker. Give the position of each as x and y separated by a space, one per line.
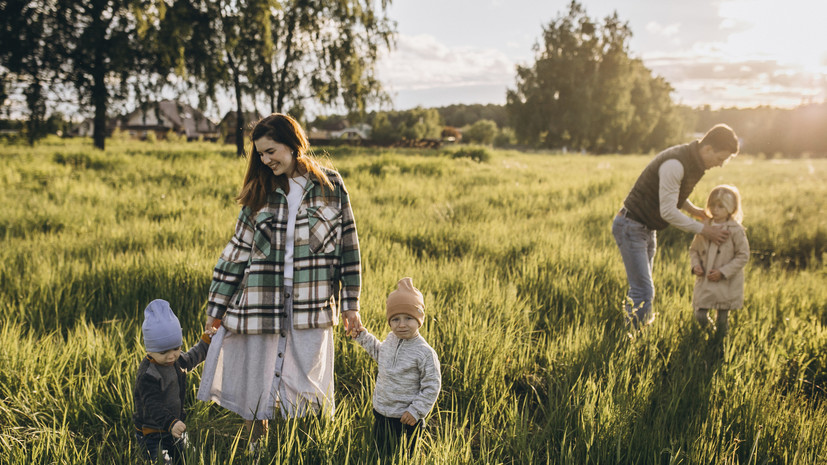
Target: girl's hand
698 270
353 323
408 419
715 276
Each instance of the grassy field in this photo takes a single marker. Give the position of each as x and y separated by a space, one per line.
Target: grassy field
523 285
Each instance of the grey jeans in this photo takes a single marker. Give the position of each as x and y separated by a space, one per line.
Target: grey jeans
637 245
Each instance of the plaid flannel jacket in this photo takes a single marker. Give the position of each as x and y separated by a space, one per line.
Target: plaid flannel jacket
247 289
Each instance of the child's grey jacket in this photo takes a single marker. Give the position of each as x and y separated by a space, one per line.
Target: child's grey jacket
408 379
160 391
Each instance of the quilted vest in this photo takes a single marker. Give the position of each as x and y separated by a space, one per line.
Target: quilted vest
643 201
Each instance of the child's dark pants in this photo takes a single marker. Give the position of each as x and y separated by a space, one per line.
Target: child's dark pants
388 432
153 444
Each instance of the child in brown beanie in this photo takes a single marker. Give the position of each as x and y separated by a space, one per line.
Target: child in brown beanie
408 380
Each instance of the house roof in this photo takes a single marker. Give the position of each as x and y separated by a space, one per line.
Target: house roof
171 115
250 117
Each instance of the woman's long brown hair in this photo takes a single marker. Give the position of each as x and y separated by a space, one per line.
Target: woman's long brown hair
260 180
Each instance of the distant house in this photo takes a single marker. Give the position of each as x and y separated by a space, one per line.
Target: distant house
360 131
227 126
86 128
169 115
83 129
316 133
324 128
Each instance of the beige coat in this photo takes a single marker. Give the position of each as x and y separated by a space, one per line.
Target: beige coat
729 258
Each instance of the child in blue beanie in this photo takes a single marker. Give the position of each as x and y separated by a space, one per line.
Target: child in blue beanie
161 384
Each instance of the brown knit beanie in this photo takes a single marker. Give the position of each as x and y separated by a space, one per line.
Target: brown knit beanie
406 299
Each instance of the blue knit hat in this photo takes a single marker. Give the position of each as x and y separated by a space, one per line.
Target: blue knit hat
161 328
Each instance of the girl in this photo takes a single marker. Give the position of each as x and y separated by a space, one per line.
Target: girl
719 269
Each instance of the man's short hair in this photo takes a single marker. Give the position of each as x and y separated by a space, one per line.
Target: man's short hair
721 137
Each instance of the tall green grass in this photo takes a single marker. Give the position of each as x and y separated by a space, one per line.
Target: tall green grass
523 286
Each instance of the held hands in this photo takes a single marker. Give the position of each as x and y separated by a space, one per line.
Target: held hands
353 323
698 270
178 429
715 234
211 326
356 332
408 419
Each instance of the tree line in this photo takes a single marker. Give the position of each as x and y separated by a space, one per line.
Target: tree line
772 132
764 131
584 90
284 52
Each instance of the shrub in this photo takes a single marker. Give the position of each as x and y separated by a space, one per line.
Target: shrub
477 154
481 132
505 137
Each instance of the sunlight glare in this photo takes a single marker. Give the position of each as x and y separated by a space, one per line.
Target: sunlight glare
793 31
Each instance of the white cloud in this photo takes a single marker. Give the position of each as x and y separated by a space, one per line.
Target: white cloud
422 62
705 75
656 28
793 33
718 52
768 56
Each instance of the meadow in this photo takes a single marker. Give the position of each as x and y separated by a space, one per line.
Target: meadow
522 281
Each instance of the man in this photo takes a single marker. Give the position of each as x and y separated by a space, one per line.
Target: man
654 203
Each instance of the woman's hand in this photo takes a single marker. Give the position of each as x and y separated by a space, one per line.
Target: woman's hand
698 270
211 326
353 323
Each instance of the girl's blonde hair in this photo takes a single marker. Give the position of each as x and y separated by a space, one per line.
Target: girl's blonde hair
729 197
260 180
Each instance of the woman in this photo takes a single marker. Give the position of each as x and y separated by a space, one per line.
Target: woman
292 261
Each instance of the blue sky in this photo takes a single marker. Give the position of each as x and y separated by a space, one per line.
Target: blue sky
718 52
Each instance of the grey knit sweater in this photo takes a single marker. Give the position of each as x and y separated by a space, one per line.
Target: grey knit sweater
408 379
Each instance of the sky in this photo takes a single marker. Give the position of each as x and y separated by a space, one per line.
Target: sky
722 53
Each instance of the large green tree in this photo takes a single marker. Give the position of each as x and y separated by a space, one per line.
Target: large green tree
414 124
29 57
215 44
283 52
584 91
104 47
326 51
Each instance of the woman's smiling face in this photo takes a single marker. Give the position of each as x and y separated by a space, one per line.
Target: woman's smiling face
277 156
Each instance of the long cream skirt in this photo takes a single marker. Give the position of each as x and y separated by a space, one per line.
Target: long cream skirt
254 375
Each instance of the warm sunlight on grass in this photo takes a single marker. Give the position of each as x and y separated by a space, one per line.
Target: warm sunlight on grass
523 286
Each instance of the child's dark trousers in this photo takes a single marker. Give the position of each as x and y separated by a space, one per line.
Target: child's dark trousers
153 444
389 432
